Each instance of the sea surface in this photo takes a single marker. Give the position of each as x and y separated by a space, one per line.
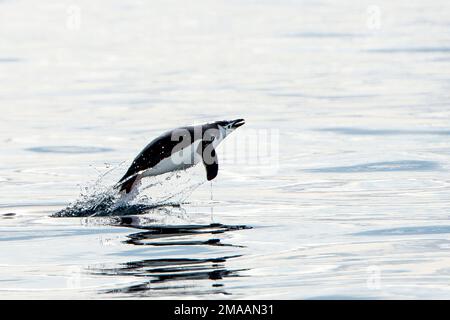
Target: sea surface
337 187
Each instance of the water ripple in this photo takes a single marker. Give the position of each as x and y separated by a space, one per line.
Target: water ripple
10 60
69 149
170 273
411 50
324 35
156 232
375 132
388 166
406 231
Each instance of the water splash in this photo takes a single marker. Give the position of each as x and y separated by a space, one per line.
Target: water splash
99 198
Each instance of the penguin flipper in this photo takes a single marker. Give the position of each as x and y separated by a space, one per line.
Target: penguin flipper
211 171
211 163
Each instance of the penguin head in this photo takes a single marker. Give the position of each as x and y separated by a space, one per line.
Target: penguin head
227 126
219 130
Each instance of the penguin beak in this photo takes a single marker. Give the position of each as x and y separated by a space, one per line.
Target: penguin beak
237 123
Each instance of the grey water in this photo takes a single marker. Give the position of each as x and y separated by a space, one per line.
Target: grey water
352 202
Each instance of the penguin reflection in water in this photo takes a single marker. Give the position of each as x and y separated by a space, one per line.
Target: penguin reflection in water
178 149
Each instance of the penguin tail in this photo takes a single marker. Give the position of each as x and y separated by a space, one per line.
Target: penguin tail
127 185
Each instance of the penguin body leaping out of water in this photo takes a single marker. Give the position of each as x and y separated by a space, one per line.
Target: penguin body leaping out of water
179 149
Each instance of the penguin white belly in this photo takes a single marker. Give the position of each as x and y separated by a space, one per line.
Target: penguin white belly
183 159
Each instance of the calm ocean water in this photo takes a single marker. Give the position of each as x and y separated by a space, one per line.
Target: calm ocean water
354 202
